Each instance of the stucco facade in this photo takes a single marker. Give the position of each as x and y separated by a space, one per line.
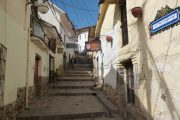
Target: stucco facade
154 60
82 38
66 31
14 34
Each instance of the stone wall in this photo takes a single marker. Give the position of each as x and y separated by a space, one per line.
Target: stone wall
115 97
43 86
10 111
129 112
21 98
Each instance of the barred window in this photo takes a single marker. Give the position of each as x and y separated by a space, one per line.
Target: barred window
2 72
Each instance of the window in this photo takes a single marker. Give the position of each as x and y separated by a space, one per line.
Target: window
124 23
2 72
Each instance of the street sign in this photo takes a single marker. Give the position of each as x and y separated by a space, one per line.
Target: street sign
165 21
94 45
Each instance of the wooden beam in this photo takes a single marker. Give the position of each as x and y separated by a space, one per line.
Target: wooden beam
112 1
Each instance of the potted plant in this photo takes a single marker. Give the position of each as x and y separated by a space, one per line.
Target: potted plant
109 38
137 12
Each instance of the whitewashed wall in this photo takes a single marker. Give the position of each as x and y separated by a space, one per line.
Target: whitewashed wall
82 38
14 35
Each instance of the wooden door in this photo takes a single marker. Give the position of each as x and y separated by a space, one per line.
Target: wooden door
36 75
130 83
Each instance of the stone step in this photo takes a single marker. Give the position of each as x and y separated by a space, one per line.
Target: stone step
75 78
78 72
64 108
70 87
80 75
70 92
72 84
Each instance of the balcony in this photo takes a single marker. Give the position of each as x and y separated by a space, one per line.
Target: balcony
38 36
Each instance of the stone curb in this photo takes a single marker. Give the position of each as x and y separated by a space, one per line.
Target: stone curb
64 117
75 79
71 94
69 87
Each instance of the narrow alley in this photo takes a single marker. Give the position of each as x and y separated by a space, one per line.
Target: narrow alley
89 59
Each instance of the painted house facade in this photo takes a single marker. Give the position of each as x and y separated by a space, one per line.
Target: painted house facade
14 34
139 67
32 49
61 21
82 35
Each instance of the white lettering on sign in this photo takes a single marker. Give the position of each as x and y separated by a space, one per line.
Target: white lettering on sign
165 21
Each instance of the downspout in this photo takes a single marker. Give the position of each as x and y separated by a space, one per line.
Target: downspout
27 65
102 69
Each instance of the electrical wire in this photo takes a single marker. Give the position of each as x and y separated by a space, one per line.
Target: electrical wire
76 14
53 10
76 7
90 15
87 21
55 16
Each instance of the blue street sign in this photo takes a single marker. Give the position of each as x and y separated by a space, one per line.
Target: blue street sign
165 21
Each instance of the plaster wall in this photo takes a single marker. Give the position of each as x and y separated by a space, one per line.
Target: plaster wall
54 20
43 63
157 58
14 35
69 51
82 38
109 53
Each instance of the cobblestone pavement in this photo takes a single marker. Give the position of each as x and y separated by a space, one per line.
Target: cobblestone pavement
70 98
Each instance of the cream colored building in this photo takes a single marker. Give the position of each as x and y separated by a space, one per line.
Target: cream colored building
27 56
14 34
140 70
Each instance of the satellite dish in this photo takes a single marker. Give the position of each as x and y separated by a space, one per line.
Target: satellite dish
43 8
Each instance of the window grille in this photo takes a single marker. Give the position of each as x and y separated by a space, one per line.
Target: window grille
3 51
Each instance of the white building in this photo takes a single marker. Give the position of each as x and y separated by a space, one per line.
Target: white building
59 18
82 37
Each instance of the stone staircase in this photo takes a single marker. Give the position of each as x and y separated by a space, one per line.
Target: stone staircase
70 98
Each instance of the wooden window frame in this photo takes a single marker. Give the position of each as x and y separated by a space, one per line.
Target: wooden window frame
124 26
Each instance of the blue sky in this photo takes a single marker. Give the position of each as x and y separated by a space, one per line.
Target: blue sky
82 13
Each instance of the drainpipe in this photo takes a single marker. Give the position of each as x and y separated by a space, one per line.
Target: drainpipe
102 69
27 64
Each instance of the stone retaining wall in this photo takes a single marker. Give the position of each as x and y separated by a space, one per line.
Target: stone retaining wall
116 98
10 111
43 85
129 112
